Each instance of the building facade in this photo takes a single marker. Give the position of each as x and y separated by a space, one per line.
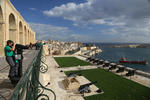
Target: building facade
13 26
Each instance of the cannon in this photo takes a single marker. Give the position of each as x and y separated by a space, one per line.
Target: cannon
74 74
121 69
88 59
91 60
86 88
96 61
130 73
113 66
106 64
100 62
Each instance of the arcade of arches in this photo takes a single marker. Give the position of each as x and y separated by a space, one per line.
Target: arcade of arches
13 26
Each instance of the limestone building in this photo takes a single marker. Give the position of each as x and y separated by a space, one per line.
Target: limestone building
13 26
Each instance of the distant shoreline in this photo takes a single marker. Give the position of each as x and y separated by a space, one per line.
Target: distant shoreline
122 45
132 46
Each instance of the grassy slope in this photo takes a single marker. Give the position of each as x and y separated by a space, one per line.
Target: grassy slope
70 61
115 87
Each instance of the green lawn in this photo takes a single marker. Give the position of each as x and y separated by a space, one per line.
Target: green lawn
115 87
70 61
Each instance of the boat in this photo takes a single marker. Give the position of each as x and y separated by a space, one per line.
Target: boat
123 60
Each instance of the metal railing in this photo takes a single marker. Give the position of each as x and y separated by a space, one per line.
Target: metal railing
29 86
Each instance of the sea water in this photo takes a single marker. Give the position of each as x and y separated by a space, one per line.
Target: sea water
136 54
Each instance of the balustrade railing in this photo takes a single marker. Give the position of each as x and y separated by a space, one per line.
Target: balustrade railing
29 87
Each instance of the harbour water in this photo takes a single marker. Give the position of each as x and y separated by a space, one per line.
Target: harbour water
114 55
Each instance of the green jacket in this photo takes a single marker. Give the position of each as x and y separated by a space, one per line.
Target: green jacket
8 51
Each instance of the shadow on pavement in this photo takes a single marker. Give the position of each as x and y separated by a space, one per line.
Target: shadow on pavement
5 89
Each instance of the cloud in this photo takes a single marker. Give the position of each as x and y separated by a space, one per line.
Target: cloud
135 34
33 9
129 18
46 31
102 11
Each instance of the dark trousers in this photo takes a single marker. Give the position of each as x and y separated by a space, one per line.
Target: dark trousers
13 67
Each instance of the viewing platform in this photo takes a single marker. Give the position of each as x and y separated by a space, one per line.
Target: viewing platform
6 88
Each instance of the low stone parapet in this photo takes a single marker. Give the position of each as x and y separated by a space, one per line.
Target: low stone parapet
145 74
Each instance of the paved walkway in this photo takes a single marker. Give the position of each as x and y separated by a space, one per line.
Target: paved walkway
5 86
74 68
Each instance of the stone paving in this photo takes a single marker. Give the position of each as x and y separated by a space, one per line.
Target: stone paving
5 86
55 77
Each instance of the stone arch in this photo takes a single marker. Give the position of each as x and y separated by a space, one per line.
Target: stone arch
28 37
1 32
31 37
12 27
25 34
20 33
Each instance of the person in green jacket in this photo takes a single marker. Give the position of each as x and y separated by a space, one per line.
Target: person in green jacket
10 58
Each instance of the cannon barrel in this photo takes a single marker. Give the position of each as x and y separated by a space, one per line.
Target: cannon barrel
73 73
87 85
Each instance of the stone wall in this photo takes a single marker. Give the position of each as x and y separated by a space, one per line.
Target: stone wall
13 26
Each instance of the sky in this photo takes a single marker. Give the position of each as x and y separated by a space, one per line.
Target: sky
125 21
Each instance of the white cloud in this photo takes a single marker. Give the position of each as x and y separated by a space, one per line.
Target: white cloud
102 11
45 31
33 9
129 34
130 18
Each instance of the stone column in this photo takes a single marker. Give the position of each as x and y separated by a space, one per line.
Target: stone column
12 34
1 39
21 37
